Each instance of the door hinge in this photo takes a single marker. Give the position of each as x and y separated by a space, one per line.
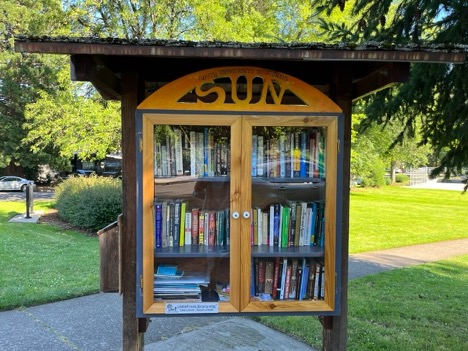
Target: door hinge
141 284
140 144
338 145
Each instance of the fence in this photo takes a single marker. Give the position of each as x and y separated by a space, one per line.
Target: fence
419 175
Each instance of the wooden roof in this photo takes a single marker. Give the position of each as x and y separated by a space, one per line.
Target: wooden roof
370 67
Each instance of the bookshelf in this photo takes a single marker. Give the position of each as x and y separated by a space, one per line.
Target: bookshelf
243 210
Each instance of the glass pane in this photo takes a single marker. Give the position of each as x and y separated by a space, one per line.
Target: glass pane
288 205
192 177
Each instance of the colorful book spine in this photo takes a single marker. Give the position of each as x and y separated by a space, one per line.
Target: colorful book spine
176 225
183 206
193 153
260 156
158 224
211 228
206 152
201 228
303 155
276 224
285 225
188 227
195 214
178 152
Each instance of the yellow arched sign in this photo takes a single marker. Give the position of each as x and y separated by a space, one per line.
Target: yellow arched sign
240 89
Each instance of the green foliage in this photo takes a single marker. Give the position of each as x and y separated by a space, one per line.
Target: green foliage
89 202
435 94
374 149
402 178
43 263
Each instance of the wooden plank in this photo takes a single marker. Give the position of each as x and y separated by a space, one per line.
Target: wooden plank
109 258
388 75
132 337
334 334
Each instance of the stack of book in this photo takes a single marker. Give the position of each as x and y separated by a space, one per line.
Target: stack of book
171 284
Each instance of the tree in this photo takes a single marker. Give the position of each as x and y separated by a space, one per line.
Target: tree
435 94
373 151
67 123
23 76
31 82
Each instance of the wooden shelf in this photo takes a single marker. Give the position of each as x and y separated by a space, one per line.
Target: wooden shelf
274 251
192 251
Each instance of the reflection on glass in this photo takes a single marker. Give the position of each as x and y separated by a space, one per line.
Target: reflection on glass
191 204
288 205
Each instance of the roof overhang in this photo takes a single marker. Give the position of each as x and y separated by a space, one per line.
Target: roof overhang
370 67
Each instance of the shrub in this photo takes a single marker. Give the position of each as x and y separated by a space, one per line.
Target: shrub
89 202
402 178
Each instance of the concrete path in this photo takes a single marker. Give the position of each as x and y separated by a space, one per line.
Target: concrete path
94 323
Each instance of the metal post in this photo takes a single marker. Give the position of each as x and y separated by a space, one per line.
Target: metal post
29 200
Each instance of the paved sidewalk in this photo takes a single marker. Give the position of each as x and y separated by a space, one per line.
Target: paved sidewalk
94 323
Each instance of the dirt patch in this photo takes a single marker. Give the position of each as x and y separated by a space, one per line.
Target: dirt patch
52 217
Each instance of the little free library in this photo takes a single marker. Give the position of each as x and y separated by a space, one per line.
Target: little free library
235 171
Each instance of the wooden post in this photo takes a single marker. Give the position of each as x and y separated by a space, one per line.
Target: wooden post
132 337
335 329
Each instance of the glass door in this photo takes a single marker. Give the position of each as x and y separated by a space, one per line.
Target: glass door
188 243
291 238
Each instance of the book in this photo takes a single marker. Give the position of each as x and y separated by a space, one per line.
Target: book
283 278
183 206
164 160
276 224
296 157
276 277
287 281
201 227
261 276
188 227
293 281
282 158
297 224
260 156
158 224
178 152
195 213
200 154
176 224
165 224
303 156
211 228
193 153
171 218
292 231
304 279
221 225
265 228
269 275
255 227
206 152
285 225
302 228
259 225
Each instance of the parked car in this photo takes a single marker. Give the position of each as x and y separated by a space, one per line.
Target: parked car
14 183
84 172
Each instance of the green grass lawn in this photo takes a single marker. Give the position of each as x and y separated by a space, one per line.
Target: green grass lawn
43 263
388 217
421 308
